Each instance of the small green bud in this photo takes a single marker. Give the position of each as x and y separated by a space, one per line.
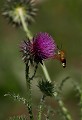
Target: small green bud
46 87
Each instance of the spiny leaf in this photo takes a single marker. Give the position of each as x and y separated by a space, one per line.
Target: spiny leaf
18 118
17 97
63 81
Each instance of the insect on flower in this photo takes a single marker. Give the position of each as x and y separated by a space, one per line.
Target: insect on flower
60 55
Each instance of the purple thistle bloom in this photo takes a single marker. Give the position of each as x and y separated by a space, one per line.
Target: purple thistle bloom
41 47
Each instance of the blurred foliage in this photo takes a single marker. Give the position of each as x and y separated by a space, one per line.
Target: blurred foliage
63 20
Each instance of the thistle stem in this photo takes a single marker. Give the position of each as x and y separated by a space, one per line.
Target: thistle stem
45 72
25 28
79 92
29 93
21 15
41 107
81 104
60 102
64 110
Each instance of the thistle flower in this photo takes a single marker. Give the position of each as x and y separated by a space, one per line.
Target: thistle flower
46 87
44 46
41 47
13 9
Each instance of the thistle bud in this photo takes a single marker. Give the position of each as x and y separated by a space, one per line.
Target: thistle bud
46 87
13 8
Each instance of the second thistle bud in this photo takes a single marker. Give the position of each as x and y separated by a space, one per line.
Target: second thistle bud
46 87
13 9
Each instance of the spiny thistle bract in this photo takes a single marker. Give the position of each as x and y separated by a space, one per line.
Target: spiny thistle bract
41 47
26 47
13 8
46 87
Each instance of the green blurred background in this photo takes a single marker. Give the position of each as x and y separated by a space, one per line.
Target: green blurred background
63 20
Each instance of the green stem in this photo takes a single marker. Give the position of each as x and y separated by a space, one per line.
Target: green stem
20 11
45 72
64 110
56 95
81 105
48 114
24 25
35 69
41 108
29 93
79 92
29 35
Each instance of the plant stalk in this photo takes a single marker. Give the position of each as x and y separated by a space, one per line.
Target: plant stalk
25 28
29 93
60 102
24 24
41 108
45 72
